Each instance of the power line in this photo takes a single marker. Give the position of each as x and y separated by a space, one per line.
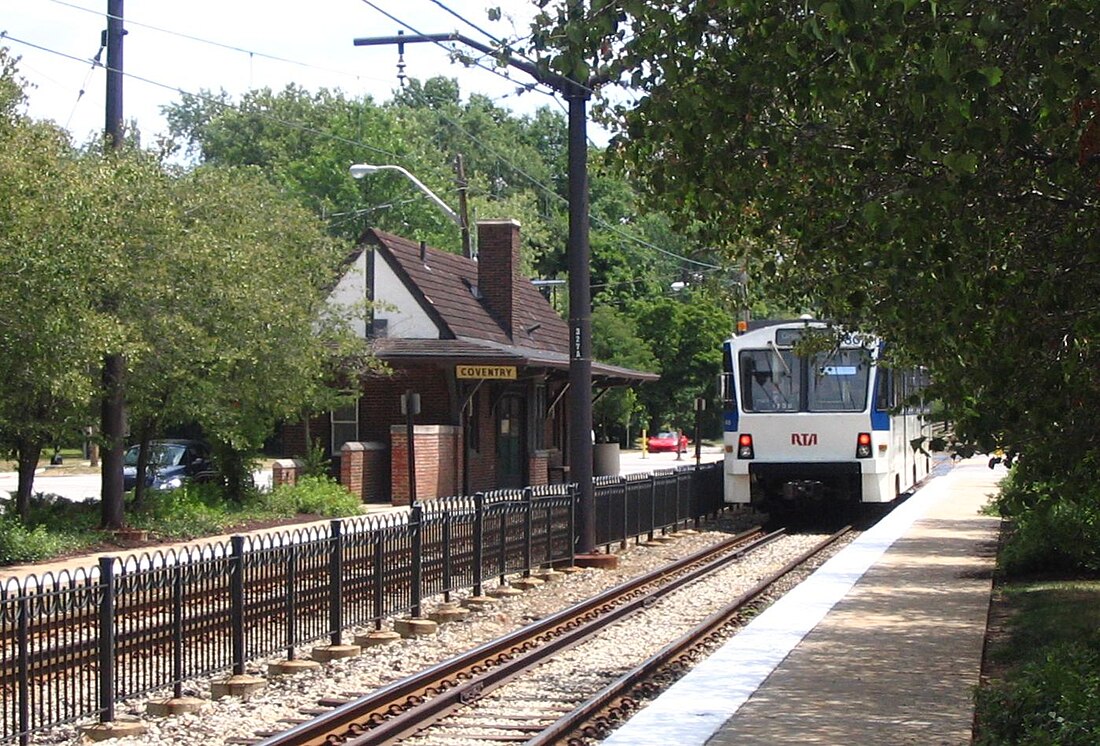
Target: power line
221 45
210 100
468 22
304 128
450 51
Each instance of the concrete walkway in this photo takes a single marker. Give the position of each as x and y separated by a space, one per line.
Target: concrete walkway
883 645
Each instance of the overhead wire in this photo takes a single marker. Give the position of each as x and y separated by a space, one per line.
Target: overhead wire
451 51
213 43
84 86
304 128
599 221
209 99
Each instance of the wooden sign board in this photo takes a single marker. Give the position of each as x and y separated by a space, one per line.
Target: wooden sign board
486 372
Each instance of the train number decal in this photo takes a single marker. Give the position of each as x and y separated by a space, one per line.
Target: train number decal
803 439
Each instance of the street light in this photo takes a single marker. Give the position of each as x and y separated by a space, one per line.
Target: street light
359 170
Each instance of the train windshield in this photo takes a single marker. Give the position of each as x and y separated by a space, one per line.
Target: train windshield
777 380
838 381
771 381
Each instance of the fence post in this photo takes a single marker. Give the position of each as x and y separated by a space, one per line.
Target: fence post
447 558
177 630
417 525
626 513
479 544
693 506
502 542
528 529
236 602
291 602
336 582
24 664
549 503
379 579
107 640
675 512
652 506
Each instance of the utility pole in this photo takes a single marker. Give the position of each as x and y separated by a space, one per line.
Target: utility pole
578 253
113 423
463 208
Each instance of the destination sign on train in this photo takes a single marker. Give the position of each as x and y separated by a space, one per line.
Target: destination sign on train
494 372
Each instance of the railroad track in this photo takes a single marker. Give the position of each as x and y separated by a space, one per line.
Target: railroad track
505 691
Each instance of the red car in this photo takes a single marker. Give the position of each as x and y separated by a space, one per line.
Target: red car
667 442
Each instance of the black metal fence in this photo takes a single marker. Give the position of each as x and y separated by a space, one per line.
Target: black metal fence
74 644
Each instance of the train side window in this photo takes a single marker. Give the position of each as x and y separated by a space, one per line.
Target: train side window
884 398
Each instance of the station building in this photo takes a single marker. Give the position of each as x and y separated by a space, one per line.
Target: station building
482 351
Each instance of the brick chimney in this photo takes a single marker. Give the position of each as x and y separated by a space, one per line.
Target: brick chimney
498 273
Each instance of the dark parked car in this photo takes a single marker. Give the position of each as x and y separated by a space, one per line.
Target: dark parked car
171 463
667 442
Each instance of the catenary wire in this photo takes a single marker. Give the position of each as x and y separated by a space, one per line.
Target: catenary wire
207 99
213 43
473 61
295 125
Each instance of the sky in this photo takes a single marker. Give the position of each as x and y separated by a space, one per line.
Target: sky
191 45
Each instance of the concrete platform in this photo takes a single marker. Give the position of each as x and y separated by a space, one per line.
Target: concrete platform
882 644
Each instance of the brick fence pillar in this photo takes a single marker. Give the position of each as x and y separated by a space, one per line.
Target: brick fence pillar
538 468
352 458
286 471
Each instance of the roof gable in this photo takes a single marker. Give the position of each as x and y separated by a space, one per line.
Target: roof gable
444 285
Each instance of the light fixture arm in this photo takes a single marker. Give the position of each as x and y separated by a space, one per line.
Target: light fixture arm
359 170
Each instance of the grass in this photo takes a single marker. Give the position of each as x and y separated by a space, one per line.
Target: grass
1045 665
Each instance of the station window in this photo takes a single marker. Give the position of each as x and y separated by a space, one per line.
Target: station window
345 425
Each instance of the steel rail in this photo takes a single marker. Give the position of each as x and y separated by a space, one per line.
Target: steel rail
471 674
615 695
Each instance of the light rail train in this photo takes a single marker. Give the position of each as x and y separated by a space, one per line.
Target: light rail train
821 428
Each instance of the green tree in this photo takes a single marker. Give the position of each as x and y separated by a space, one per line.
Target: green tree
51 337
686 334
615 340
927 171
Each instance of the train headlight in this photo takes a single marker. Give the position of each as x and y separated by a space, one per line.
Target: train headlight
744 446
863 445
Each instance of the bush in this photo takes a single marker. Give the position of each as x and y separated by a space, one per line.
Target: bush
1053 701
190 511
314 495
1056 525
19 544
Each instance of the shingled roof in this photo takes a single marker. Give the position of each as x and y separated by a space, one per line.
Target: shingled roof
447 287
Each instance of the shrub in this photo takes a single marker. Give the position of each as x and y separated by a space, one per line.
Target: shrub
19 544
312 494
1056 524
190 511
1052 701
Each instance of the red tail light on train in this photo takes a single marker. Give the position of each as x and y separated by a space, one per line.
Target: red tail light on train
744 446
863 445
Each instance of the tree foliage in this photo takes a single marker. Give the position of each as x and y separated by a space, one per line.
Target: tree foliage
515 168
208 282
924 170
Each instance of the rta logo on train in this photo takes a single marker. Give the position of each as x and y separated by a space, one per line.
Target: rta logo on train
803 439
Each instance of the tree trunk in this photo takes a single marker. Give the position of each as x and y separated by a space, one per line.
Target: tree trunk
27 455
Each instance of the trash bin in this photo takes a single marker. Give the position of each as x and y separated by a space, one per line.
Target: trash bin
605 460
